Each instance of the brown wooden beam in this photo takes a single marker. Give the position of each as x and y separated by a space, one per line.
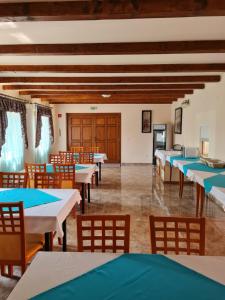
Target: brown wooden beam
97 10
28 87
171 47
121 79
154 92
155 68
103 101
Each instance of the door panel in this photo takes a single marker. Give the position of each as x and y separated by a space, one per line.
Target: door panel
102 130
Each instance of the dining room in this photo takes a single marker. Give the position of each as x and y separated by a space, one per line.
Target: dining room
112 149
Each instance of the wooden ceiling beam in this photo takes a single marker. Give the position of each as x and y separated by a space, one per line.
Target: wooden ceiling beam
171 47
162 86
102 101
154 68
98 10
154 92
116 79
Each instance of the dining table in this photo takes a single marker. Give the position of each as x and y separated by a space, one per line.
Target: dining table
100 276
45 210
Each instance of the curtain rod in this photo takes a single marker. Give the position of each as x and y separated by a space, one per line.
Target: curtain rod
46 106
14 98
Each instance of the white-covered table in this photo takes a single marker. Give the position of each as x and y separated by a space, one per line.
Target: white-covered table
164 154
51 217
99 159
51 269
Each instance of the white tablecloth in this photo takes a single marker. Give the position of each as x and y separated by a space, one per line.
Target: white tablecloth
164 154
100 157
49 217
51 269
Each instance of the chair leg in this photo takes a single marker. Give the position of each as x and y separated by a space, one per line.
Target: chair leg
4 272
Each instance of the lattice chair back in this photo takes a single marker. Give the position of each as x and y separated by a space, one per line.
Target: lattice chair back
67 172
56 159
103 233
47 181
86 158
76 149
13 180
93 149
177 235
68 156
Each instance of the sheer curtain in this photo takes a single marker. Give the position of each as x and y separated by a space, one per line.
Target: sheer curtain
12 156
43 149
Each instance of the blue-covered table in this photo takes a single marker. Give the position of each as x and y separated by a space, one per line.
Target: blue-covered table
128 277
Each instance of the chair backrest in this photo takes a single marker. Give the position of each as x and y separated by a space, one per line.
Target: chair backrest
67 172
31 169
104 233
56 159
76 149
47 181
12 234
68 156
13 180
177 235
93 149
86 158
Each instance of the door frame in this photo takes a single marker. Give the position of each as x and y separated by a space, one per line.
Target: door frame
93 114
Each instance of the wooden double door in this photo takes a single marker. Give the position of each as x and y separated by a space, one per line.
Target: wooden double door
102 130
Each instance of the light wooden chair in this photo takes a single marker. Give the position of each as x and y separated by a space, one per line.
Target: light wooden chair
103 233
86 158
67 172
13 180
177 235
76 149
56 159
68 157
31 169
93 149
47 181
16 247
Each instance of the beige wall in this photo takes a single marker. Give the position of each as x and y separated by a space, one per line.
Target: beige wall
207 108
136 147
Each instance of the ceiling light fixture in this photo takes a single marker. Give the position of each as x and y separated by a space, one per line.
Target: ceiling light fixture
106 95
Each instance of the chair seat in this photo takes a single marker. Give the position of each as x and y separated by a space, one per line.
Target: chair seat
34 242
68 184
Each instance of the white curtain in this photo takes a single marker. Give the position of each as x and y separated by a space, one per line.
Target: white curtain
12 157
43 149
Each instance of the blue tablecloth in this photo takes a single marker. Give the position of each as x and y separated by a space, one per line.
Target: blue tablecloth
49 168
201 167
138 277
30 197
217 180
180 157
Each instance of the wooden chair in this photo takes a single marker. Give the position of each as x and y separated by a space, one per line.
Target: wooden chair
104 233
56 159
47 181
31 169
177 235
93 149
86 158
68 157
76 149
16 247
67 172
13 180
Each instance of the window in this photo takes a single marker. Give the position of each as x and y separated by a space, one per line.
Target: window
43 149
12 158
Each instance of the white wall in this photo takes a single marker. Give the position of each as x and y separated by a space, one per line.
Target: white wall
136 147
207 108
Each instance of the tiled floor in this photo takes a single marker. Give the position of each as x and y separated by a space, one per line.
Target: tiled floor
134 190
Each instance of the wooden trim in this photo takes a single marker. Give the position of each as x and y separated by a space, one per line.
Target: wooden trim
162 86
138 101
140 68
120 79
97 10
171 47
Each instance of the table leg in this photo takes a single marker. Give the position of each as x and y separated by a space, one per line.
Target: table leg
64 247
202 199
100 171
171 172
181 183
89 192
83 197
47 241
96 178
